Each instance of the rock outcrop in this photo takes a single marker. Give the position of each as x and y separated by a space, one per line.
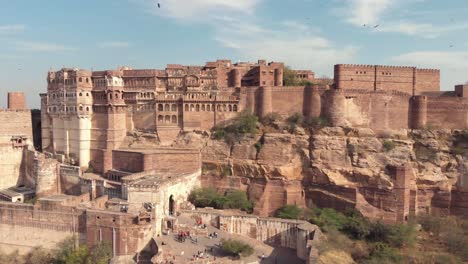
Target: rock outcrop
340 167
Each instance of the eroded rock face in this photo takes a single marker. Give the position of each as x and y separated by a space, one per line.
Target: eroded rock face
337 167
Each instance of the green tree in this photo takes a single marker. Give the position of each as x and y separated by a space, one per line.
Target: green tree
38 255
203 197
289 77
101 253
244 124
236 247
290 211
238 200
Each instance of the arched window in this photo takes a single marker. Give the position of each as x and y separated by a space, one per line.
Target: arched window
87 80
208 108
167 107
203 107
160 107
187 108
218 108
192 107
230 108
160 118
234 108
87 109
167 119
197 107
173 107
53 96
174 119
116 96
80 79
224 108
81 108
110 96
87 94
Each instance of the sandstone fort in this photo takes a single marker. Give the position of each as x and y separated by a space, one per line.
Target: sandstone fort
114 154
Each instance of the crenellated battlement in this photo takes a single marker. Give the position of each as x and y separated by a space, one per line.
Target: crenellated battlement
387 67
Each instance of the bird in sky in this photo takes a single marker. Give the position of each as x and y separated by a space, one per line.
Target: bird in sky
376 26
159 5
451 46
363 25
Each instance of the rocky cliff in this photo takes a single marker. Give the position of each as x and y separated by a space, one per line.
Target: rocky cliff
340 168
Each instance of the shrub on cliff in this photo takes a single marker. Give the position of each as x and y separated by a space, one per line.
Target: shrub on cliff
209 197
236 247
328 219
316 122
383 253
244 124
289 212
270 119
238 200
206 197
388 145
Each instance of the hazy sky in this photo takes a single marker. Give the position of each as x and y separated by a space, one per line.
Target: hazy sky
38 35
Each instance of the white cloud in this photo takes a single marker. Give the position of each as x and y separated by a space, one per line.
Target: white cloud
113 44
200 9
285 43
41 46
425 30
11 29
367 12
453 65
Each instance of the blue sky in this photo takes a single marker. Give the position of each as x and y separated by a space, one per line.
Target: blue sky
36 36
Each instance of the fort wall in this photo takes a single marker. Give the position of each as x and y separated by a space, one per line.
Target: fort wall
375 77
24 227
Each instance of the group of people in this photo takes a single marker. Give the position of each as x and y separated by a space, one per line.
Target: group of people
203 254
183 235
213 235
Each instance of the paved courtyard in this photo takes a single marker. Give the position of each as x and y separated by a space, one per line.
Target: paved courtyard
185 252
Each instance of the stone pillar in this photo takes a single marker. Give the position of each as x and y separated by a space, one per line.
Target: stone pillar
279 77
401 189
265 101
336 109
312 102
419 112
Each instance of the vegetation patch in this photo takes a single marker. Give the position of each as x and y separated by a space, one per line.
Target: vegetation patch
289 212
270 119
65 253
210 197
388 145
236 247
244 124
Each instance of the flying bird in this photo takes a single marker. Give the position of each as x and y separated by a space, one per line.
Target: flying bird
376 26
159 5
363 25
451 46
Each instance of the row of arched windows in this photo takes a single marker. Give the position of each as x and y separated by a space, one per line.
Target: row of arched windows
68 109
167 119
209 107
68 81
167 107
67 95
146 95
